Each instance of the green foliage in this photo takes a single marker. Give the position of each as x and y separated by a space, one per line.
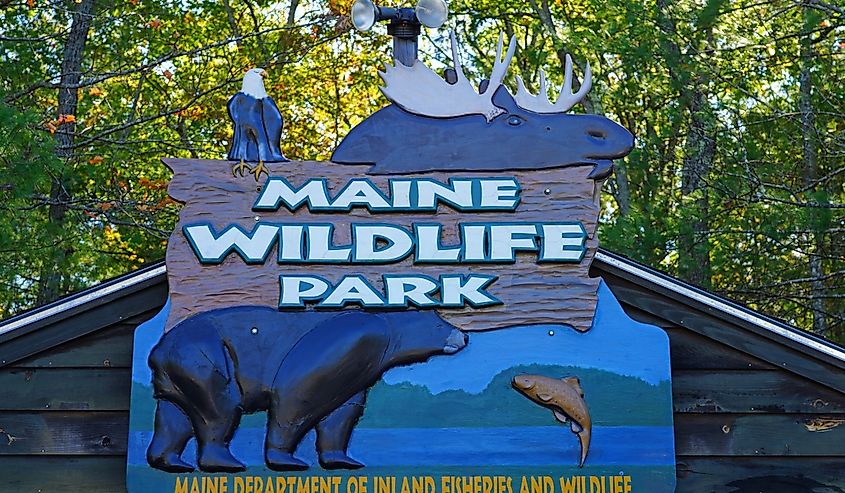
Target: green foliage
686 78
27 161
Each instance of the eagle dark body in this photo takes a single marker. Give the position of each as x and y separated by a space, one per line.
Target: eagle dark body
397 141
258 129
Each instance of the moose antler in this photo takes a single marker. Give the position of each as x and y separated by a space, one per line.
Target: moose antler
541 104
419 90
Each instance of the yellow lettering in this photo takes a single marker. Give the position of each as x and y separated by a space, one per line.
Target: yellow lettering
568 485
302 485
195 486
180 487
429 484
210 485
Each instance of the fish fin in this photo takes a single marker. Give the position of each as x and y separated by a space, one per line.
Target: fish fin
575 383
544 397
560 416
575 427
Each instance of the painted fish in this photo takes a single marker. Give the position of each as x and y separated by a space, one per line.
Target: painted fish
565 398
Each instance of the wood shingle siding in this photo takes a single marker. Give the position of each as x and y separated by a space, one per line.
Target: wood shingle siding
752 413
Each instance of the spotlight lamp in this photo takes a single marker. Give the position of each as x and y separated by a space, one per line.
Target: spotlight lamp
404 23
432 13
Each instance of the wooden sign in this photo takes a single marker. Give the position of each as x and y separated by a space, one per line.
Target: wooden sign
562 201
403 319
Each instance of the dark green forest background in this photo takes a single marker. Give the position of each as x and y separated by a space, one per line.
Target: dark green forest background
736 182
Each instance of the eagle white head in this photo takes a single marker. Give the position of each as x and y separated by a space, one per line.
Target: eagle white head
254 83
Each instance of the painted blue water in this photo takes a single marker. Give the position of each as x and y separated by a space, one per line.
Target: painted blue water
523 446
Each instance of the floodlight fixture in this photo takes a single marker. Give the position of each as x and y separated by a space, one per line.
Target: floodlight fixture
404 23
432 13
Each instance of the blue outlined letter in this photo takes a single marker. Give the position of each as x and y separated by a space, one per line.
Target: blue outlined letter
212 249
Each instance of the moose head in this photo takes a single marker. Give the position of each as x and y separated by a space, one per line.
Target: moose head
441 125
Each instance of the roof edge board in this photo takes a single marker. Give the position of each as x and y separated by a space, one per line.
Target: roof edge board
719 304
83 298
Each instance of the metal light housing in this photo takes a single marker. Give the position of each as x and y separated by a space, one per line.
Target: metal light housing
432 13
364 15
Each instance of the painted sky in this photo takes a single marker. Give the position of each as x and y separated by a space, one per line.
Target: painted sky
615 343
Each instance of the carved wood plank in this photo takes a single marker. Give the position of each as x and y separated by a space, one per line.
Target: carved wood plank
75 433
47 389
760 474
740 391
552 293
63 474
756 435
109 348
692 351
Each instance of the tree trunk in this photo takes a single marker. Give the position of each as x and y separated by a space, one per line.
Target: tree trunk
52 279
694 244
810 159
699 155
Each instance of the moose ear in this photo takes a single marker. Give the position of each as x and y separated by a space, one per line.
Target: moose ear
504 100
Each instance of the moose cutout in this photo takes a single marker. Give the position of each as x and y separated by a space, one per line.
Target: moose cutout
435 125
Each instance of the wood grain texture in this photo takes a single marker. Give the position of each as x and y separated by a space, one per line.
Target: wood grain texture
532 293
59 433
108 348
63 474
756 435
692 351
760 475
61 389
735 391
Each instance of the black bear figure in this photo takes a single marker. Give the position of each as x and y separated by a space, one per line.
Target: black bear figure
306 369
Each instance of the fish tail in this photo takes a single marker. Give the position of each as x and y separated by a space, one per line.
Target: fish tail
584 439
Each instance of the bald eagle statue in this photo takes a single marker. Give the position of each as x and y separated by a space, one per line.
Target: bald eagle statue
257 126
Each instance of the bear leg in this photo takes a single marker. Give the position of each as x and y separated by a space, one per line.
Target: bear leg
281 443
210 396
216 432
334 432
172 431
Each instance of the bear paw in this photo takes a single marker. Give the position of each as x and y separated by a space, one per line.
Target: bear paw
170 462
219 459
338 460
279 460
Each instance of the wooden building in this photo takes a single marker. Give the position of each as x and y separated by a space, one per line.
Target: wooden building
759 406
